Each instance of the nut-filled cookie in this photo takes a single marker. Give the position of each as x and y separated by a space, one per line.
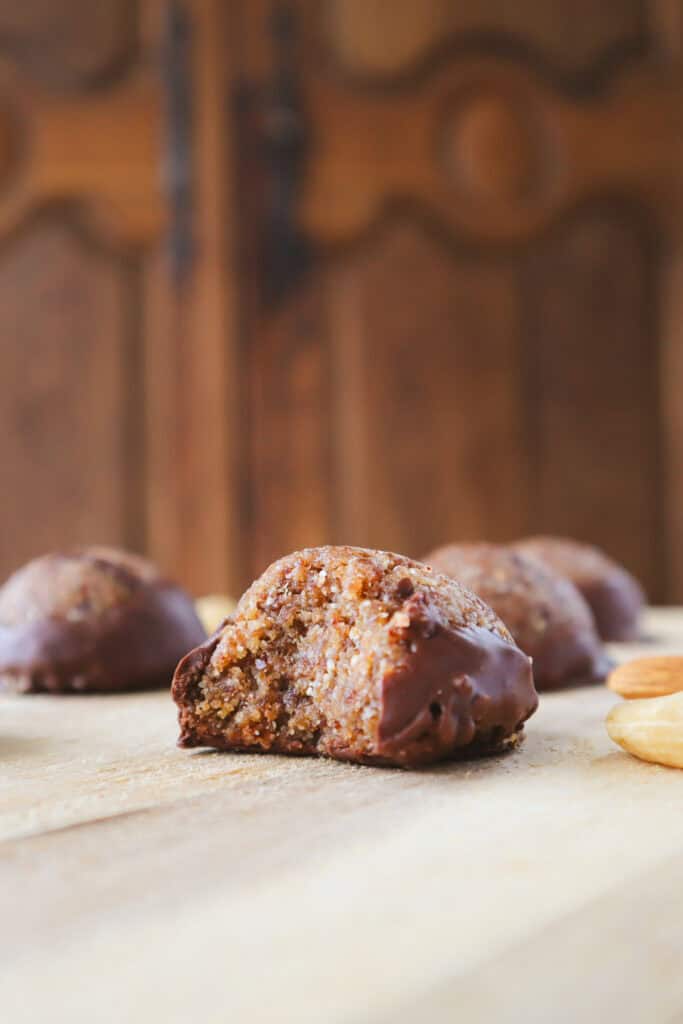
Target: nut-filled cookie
92 620
359 655
615 597
545 613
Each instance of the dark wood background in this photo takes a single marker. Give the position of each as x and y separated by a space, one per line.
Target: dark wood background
433 289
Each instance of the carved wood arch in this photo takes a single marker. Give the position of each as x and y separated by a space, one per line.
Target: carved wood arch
141 355
558 206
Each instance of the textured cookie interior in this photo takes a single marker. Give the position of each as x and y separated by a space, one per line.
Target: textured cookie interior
300 666
299 658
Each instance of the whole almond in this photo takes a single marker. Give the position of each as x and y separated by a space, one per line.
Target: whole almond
650 729
648 677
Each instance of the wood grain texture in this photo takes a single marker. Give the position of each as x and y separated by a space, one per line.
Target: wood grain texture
422 459
80 191
372 147
671 374
194 411
99 151
288 487
269 428
73 43
489 194
191 883
286 498
143 446
593 389
66 401
667 24
631 983
383 38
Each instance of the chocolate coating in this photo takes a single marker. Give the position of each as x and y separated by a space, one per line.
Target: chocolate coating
92 620
545 613
614 596
360 655
454 690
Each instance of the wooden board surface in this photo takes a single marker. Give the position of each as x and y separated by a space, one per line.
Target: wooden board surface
142 883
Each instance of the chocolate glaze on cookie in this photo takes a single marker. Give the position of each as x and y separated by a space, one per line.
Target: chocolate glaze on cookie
613 594
545 613
360 655
92 620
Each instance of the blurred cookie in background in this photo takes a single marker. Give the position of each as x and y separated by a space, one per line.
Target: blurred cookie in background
544 611
616 598
94 619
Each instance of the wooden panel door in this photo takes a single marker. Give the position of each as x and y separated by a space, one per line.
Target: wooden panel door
114 291
80 141
460 237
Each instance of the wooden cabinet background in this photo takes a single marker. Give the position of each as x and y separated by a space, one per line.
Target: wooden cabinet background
433 290
114 363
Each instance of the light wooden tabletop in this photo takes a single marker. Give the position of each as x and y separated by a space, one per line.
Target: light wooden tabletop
142 883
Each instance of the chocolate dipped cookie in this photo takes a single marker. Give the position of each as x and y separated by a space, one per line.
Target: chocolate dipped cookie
92 620
615 597
545 613
359 655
